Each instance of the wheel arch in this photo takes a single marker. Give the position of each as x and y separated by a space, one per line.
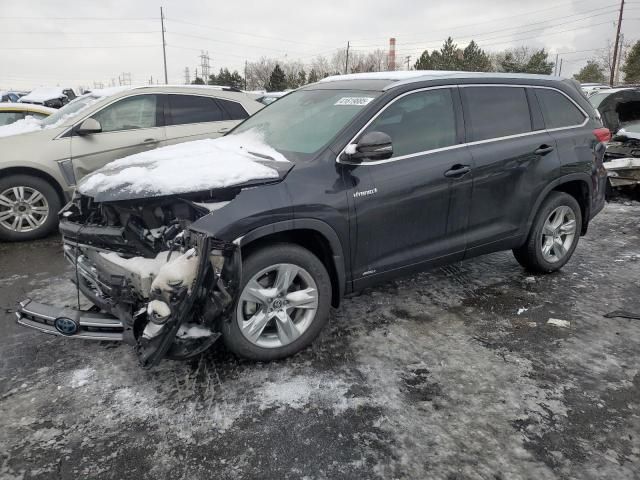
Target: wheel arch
314 235
578 185
34 172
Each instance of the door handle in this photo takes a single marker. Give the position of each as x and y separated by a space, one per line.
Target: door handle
543 150
457 171
150 140
224 130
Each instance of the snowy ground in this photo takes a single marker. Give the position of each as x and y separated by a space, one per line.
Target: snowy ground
452 374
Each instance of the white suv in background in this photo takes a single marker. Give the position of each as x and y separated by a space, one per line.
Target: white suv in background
41 163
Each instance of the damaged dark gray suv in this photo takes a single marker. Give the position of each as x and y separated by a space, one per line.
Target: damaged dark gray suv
333 188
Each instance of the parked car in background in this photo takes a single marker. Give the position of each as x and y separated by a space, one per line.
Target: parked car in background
270 97
39 168
338 186
12 112
54 97
620 111
592 88
7 97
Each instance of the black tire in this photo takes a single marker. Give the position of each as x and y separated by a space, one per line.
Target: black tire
530 254
52 199
255 262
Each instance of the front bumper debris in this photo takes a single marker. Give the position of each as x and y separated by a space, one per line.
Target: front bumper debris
623 172
69 322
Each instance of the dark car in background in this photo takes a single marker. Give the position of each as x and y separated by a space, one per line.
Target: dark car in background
358 179
52 97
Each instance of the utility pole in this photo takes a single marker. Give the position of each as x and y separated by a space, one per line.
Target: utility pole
408 59
615 48
245 74
187 79
555 66
164 47
346 63
560 69
617 79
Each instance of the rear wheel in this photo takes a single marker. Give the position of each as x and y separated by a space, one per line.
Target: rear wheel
554 234
28 208
283 304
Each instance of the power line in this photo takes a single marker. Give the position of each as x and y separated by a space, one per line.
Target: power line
449 29
95 47
269 37
546 22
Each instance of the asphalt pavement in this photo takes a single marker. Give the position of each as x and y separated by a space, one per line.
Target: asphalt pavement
455 373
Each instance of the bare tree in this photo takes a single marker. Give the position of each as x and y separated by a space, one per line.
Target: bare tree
258 73
321 66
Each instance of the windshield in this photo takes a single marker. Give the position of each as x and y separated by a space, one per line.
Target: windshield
70 109
597 98
303 122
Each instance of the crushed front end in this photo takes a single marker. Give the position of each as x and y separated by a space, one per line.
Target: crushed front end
155 283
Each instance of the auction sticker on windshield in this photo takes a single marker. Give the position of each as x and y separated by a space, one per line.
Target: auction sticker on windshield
357 101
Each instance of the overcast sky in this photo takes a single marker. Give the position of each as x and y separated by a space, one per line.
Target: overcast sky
73 42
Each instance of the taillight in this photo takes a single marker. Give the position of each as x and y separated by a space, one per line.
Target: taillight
602 134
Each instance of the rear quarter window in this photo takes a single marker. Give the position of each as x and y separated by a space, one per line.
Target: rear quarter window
494 112
557 110
234 110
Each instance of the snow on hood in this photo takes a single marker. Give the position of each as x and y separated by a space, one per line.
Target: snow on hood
187 167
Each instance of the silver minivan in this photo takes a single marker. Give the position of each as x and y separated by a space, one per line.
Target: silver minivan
39 167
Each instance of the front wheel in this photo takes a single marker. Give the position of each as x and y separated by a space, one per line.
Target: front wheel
284 301
554 234
28 208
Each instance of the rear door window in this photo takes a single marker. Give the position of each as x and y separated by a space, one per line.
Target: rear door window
494 112
418 122
557 110
186 109
234 110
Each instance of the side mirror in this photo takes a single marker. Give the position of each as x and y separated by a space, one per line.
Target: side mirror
372 146
89 126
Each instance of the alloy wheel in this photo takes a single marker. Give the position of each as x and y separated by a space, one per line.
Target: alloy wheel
23 209
558 234
277 305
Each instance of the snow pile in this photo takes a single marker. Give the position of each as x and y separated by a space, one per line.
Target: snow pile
187 167
40 95
25 125
193 330
81 377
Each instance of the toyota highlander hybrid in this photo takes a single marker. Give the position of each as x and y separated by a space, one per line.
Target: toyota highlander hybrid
335 187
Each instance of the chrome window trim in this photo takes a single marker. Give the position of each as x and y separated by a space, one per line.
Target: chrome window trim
464 144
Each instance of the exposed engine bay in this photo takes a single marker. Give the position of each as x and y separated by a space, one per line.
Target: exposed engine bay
140 262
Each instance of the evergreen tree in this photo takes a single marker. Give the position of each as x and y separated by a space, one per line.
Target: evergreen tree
631 66
474 59
198 81
449 56
236 80
302 78
522 61
277 81
313 76
539 63
591 72
424 62
213 80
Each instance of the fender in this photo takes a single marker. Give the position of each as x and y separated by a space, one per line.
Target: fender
319 226
559 181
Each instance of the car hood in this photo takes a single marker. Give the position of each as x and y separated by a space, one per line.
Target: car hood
29 145
193 167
